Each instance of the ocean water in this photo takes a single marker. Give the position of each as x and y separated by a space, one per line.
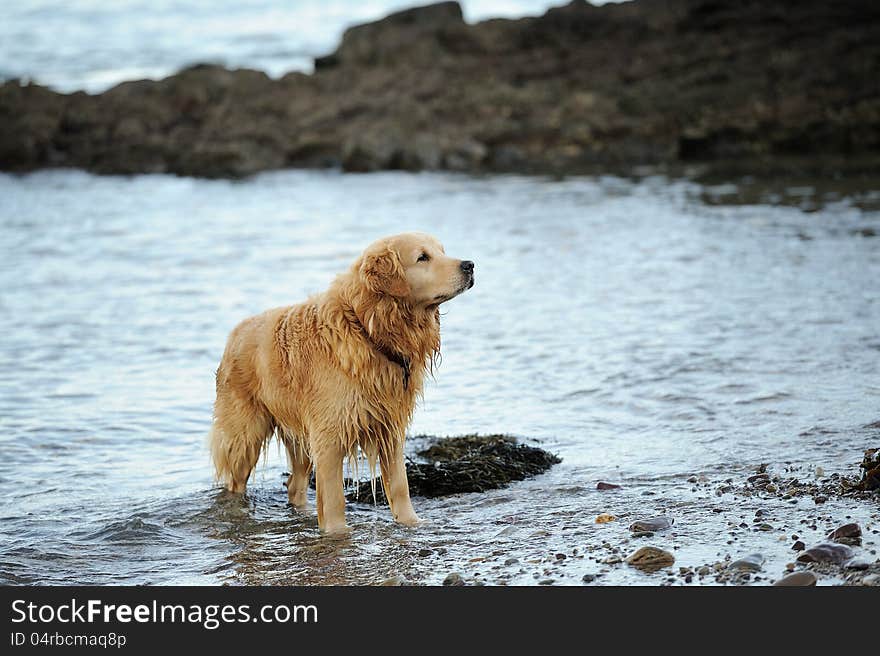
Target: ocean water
91 45
642 333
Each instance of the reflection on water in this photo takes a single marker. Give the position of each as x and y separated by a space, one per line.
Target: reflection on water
639 332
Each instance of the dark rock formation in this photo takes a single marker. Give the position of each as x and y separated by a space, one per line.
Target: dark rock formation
472 463
579 88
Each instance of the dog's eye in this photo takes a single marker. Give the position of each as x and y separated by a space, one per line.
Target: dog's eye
423 258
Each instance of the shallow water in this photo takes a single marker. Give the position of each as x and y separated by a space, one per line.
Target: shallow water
640 333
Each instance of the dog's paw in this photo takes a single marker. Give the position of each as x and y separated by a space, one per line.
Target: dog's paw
336 530
410 519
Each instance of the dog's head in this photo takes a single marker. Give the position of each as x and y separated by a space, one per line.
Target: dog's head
415 268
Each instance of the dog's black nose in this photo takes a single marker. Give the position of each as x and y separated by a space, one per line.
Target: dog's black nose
467 266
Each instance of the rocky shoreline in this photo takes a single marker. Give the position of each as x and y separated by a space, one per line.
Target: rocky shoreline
803 511
752 85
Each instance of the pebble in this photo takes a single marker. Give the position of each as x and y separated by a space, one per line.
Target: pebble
797 579
651 559
651 524
751 563
847 531
858 564
871 579
826 553
454 578
799 546
546 582
511 561
425 552
560 556
604 518
602 485
588 578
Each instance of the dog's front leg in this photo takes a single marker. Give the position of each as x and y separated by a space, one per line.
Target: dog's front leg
397 487
330 491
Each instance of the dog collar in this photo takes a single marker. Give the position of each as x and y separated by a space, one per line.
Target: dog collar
392 356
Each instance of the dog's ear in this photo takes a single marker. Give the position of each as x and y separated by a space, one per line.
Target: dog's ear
383 273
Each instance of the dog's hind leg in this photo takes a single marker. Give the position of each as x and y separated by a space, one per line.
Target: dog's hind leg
240 430
300 471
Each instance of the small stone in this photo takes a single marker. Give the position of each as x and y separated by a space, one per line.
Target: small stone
511 561
820 499
847 531
612 560
858 564
651 524
651 559
704 571
798 546
602 485
546 582
425 552
751 563
560 556
819 472
871 579
454 578
826 553
604 518
764 527
770 488
588 578
797 579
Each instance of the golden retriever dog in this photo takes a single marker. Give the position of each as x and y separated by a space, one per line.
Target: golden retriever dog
338 373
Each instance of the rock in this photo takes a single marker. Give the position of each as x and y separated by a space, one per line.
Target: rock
871 465
871 579
511 561
820 498
453 579
604 518
651 525
846 534
751 563
857 564
826 553
588 578
650 559
470 463
425 552
799 546
797 579
395 580
601 485
688 81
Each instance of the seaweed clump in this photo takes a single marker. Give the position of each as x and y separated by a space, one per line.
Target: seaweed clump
472 463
